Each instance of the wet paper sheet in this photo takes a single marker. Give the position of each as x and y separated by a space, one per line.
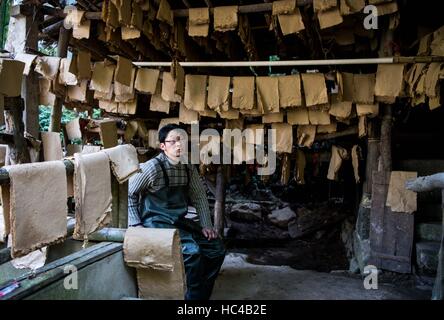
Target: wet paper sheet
156 253
37 205
399 198
124 161
92 193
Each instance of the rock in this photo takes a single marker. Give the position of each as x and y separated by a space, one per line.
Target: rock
282 217
247 212
427 256
429 231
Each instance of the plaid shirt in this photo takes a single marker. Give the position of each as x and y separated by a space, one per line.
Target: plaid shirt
151 179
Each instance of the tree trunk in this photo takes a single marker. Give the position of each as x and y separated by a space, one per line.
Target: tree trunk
18 152
62 50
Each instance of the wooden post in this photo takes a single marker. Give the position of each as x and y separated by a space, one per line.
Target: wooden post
62 51
386 138
219 206
18 152
438 288
115 202
373 142
31 82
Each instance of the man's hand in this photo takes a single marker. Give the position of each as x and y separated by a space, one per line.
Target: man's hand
210 234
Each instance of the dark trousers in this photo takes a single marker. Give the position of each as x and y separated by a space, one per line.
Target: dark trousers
202 260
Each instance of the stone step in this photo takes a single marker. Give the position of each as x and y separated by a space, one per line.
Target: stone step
427 256
431 231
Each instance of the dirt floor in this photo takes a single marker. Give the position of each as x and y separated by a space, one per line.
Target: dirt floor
240 280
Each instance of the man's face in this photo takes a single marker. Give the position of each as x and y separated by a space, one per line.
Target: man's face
173 145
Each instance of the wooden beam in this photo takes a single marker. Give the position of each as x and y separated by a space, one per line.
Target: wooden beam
181 13
348 132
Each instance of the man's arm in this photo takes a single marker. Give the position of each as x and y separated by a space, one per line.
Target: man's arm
138 183
199 199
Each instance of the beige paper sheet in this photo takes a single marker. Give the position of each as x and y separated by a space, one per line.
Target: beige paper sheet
109 106
46 98
195 92
169 88
123 73
153 139
48 67
291 23
431 84
108 133
322 5
306 135
283 7
65 77
346 84
399 199
243 93
225 18
298 116
219 93
364 88
370 110
73 129
129 107
290 94
273 117
125 93
78 93
199 22
355 155
52 146
11 75
32 261
84 65
338 155
165 121
315 89
389 82
146 80
38 205
165 13
156 253
341 109
284 137
319 117
92 193
267 94
230 114
27 59
187 116
362 127
124 161
102 76
330 18
82 31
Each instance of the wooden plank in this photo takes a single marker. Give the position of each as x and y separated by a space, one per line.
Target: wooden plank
123 205
391 233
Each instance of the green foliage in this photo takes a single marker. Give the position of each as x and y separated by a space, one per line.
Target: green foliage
67 116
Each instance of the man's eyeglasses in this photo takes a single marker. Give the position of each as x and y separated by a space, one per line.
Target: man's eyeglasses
173 142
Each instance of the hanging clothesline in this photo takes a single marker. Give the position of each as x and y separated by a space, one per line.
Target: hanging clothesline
331 62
